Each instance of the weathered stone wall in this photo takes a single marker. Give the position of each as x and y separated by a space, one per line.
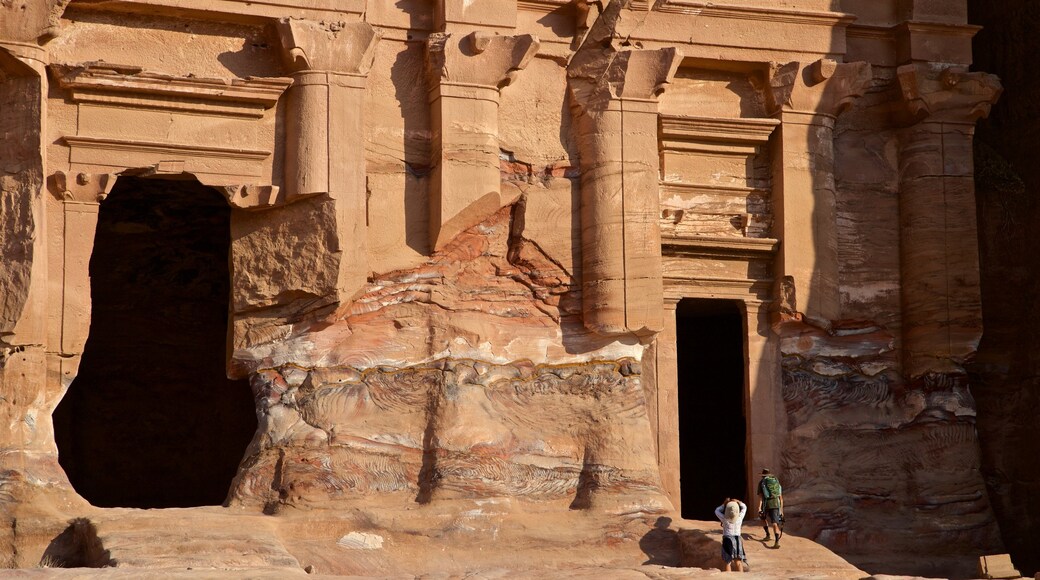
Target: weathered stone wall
864 411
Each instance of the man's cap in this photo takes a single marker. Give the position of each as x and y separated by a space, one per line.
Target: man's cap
765 471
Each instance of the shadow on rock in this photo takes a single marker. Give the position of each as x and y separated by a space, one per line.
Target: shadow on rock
661 544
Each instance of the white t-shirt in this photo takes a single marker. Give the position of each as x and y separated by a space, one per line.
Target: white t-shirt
731 528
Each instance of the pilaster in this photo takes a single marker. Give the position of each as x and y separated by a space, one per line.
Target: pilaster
80 196
807 99
325 129
766 423
614 94
939 261
664 408
466 73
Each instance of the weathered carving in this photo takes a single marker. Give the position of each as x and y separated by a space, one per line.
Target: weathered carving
949 94
31 22
941 297
341 47
465 75
83 188
613 96
824 87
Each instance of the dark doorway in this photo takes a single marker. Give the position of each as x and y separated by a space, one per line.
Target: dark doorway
151 420
710 338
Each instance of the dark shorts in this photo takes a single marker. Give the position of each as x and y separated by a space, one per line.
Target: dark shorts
732 549
772 515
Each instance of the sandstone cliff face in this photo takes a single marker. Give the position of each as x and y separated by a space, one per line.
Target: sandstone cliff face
457 237
1006 386
345 417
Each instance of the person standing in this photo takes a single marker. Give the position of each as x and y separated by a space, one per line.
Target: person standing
731 513
771 505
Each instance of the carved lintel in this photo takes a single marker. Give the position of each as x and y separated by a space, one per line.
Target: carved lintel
36 21
824 87
83 187
113 84
949 94
342 47
479 58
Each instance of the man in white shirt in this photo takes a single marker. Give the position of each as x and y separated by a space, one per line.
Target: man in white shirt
731 513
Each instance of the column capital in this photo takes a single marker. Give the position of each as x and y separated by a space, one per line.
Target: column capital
340 47
947 94
32 23
601 72
823 87
82 188
480 58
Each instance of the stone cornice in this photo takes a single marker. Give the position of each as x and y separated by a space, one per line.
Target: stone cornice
754 13
720 247
684 128
132 86
254 11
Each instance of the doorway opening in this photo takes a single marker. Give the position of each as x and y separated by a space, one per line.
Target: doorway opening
710 351
151 420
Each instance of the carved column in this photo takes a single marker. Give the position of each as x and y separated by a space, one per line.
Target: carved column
939 260
325 130
807 101
465 75
614 104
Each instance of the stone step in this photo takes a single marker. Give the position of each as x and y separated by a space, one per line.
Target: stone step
700 545
192 539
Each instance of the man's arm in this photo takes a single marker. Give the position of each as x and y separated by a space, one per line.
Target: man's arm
718 513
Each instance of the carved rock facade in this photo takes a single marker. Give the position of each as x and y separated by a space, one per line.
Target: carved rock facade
466 243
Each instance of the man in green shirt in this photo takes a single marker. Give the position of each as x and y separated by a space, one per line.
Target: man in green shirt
772 505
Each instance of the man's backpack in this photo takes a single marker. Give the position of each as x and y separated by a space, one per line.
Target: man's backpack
771 491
